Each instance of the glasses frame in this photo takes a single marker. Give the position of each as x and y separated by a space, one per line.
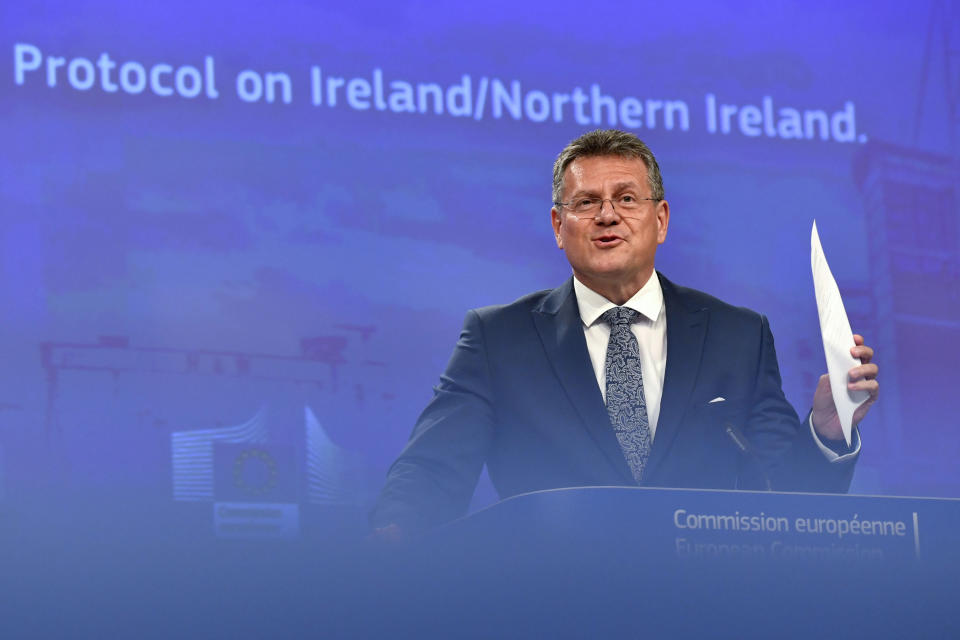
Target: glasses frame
613 206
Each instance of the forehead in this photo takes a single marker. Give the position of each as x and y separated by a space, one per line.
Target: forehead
595 172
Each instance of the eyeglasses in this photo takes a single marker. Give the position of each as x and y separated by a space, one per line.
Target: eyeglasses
624 206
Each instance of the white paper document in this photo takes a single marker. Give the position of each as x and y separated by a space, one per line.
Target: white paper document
837 336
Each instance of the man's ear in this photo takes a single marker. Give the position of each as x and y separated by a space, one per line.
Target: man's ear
557 220
663 220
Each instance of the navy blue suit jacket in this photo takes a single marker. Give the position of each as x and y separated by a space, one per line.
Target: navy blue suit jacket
520 395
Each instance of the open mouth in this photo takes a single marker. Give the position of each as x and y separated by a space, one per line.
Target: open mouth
607 241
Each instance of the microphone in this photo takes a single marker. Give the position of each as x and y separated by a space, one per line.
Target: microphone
741 442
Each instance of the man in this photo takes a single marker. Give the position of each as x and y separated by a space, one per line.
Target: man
617 377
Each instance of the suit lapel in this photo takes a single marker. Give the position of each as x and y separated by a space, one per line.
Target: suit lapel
558 322
686 329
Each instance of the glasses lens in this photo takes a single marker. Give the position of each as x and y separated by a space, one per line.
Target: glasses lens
591 207
586 206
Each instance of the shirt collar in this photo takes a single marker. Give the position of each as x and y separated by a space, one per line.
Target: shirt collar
648 301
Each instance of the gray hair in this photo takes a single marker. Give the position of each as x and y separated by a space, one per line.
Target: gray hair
607 142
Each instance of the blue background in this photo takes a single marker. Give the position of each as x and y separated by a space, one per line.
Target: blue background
172 269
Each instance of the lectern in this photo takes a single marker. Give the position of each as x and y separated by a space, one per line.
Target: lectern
667 563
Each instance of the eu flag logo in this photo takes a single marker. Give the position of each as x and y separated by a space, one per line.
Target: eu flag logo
255 472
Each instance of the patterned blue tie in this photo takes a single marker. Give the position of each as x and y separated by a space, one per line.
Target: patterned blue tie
626 404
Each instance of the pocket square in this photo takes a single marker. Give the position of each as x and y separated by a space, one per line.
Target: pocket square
718 399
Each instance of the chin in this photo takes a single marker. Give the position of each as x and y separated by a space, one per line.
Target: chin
607 270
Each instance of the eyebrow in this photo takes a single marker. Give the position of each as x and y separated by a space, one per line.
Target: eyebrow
619 187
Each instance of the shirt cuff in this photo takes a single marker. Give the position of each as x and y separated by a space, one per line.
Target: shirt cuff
829 453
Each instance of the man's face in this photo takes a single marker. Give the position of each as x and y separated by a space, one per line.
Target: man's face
610 250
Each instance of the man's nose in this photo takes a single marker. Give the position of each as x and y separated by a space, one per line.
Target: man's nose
608 213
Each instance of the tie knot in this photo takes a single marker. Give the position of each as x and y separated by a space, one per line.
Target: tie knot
619 316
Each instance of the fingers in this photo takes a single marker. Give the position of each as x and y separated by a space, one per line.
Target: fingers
870 386
864 378
863 371
861 351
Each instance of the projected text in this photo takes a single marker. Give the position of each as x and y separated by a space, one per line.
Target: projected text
471 97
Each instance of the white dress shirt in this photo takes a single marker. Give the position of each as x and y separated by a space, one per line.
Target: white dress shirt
651 332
